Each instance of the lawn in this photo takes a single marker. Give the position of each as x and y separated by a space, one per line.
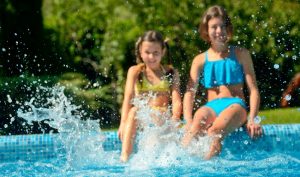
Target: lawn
280 116
271 116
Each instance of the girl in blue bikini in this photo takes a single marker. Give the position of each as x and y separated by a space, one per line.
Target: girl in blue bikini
222 70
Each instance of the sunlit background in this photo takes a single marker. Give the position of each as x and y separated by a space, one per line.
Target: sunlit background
87 47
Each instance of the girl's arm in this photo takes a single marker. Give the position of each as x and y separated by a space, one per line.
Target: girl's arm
128 95
293 85
254 129
176 97
189 96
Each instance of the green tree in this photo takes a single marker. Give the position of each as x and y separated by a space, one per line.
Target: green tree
93 42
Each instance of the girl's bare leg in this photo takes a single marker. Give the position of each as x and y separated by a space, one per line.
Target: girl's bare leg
203 118
128 135
230 119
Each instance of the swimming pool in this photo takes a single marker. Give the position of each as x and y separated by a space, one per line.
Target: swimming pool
276 153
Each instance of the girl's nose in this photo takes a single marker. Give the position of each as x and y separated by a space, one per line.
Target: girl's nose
151 55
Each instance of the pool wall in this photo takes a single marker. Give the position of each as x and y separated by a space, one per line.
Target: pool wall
285 137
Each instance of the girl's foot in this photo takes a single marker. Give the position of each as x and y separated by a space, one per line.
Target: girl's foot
124 158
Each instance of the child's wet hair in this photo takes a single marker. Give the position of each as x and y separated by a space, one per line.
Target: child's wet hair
150 36
212 12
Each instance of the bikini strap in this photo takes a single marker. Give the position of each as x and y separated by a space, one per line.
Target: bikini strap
206 56
169 74
163 69
141 73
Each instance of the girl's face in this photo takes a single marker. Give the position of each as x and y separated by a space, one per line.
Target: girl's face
217 31
151 54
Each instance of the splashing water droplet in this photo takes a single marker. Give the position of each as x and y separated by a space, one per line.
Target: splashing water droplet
288 97
294 57
257 119
9 98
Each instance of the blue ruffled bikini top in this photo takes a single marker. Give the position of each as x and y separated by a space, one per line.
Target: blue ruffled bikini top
227 71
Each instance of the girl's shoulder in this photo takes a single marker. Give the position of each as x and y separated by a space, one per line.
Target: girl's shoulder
242 54
135 70
240 51
199 59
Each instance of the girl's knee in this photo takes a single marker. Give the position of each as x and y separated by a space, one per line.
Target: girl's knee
199 122
215 131
203 120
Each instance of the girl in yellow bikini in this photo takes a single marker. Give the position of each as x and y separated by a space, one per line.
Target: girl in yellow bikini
148 77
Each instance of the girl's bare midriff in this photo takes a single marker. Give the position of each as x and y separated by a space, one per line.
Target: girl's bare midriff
161 99
226 91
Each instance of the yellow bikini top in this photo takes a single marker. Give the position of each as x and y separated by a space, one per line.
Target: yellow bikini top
143 84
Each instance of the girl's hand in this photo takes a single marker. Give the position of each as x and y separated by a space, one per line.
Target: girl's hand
254 129
187 125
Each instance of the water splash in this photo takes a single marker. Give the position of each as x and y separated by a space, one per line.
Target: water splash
160 145
288 97
80 138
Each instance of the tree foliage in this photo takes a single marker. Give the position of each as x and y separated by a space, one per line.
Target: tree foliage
102 35
97 39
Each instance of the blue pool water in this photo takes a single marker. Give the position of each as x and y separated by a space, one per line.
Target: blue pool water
82 149
97 154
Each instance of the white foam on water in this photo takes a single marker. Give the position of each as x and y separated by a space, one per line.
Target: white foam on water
157 146
82 139
160 146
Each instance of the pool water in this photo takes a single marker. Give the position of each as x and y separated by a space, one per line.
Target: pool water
276 165
274 154
82 149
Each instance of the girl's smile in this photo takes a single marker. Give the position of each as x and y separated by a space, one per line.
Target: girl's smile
217 30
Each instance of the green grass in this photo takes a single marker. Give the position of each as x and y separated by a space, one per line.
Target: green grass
271 116
280 116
